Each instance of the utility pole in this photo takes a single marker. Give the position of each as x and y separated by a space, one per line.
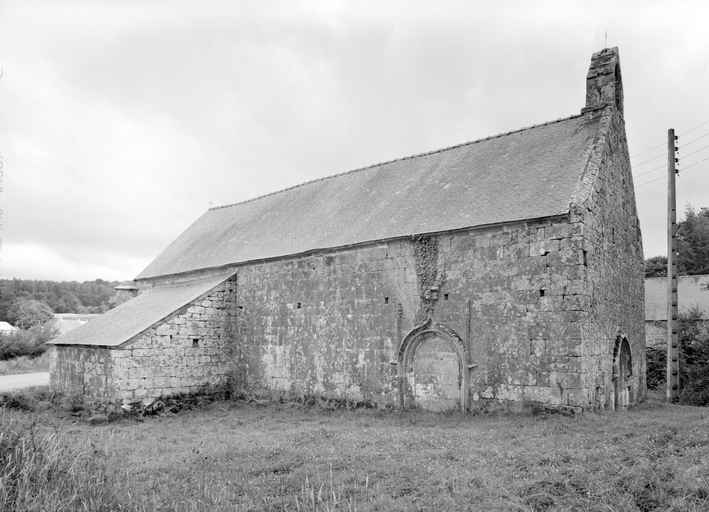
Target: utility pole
672 309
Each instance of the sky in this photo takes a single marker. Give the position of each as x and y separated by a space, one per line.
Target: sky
122 122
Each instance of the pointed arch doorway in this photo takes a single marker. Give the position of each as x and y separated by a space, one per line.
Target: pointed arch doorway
433 369
622 374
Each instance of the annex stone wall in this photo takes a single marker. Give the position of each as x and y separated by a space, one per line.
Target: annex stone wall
182 353
79 370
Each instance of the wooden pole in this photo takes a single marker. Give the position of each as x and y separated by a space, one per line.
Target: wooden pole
672 309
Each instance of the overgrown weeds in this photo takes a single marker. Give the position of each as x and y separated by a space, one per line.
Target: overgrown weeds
40 472
693 364
242 455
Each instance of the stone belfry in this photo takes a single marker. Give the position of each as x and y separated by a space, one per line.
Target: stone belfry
604 85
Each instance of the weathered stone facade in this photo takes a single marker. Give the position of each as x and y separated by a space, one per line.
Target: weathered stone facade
517 298
614 259
337 324
178 355
419 297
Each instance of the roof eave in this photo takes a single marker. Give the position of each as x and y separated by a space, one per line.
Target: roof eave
561 216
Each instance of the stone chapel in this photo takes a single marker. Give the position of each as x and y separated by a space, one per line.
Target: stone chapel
497 273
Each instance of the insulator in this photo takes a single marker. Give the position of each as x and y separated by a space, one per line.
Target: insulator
676 149
676 137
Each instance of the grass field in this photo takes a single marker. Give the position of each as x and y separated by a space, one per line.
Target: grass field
238 456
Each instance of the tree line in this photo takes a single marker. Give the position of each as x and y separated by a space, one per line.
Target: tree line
692 247
30 305
60 297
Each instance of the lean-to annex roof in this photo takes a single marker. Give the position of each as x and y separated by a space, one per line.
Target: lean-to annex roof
123 323
526 174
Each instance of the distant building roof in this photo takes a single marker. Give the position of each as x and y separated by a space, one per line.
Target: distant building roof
123 323
691 291
75 316
526 174
5 327
126 286
65 322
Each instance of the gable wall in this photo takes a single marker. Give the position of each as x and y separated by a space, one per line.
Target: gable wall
615 262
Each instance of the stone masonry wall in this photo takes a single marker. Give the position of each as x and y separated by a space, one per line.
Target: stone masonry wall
656 334
332 323
614 254
80 370
185 351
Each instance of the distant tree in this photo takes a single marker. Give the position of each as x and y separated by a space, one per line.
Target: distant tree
692 247
119 298
26 313
693 242
30 342
69 303
61 297
656 266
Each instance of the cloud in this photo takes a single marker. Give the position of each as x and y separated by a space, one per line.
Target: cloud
35 261
122 122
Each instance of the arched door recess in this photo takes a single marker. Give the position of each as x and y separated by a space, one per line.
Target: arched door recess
433 368
622 374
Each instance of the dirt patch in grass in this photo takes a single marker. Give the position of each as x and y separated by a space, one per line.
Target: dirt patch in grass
233 455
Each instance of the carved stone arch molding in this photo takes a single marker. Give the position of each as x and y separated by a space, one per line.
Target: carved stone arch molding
407 353
622 373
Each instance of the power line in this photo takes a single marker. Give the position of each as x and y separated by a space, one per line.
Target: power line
648 182
662 166
685 133
687 185
663 144
692 187
647 150
695 152
651 170
646 161
695 163
685 144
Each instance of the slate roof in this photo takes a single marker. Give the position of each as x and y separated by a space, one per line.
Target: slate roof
691 291
123 323
526 174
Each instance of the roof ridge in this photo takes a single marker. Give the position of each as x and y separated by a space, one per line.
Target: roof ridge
490 137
